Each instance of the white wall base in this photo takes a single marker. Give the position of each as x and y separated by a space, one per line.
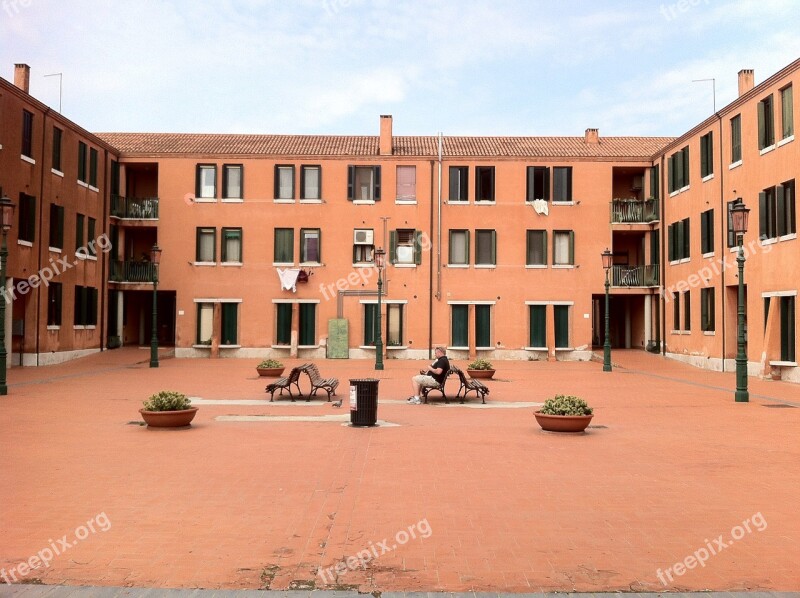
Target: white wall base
31 360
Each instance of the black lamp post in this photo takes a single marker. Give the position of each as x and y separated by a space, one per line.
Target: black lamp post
740 214
380 255
8 211
608 261
155 259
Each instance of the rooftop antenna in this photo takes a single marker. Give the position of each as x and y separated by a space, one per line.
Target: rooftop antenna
60 78
714 90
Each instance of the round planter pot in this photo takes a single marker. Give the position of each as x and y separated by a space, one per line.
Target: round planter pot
169 419
486 374
563 423
270 372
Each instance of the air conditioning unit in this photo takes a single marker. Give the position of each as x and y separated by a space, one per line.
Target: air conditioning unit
364 236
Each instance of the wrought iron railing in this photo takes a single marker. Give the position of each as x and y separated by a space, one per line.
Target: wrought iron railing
131 271
136 208
634 276
634 211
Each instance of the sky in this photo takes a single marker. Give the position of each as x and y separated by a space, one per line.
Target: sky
462 67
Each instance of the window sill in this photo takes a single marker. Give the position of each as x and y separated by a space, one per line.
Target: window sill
766 150
93 188
232 264
53 328
230 346
283 264
78 327
485 266
485 202
204 263
364 265
457 202
409 202
396 347
24 243
54 249
310 264
563 266
786 140
367 347
81 256
682 189
770 241
311 201
91 258
405 265
536 348
709 333
708 177
25 158
280 346
232 200
536 266
709 254
205 200
685 260
785 364
276 200
363 202
203 346
57 172
674 193
563 203
788 237
458 348
456 266
564 349
308 346
734 165
82 184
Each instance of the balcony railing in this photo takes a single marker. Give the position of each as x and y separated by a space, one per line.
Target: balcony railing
634 276
135 208
131 271
634 211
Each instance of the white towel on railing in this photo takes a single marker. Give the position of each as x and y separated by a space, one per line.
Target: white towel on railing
541 207
289 278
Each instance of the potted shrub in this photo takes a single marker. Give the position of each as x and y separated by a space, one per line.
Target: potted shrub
168 409
480 368
270 367
564 413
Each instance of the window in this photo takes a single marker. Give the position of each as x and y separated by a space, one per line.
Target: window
364 183
406 183
676 311
232 181
788 329
485 248
56 226
536 250
206 244
766 123
563 248
459 326
283 324
679 170
57 135
205 323
308 324
687 311
54 304
707 154
284 182
459 247
787 117
27 218
707 307
707 231
231 245
370 323
229 320
655 183
405 246
114 177
484 183
561 316
206 183
79 218
85 312
776 211
732 240
91 224
678 240
363 245
538 326
82 161
93 167
284 246
394 324
459 185
27 134
538 183
736 139
483 326
310 247
562 183
310 182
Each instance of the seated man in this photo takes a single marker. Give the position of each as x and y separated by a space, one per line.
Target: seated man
433 377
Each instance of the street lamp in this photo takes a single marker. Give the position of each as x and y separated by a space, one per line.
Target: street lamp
8 212
155 259
739 215
380 255
608 260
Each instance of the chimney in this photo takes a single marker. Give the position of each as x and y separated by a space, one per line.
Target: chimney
386 135
592 137
746 81
22 77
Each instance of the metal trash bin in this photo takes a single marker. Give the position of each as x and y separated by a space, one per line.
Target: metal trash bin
364 402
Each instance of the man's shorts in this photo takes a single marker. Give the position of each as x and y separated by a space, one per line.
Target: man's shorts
426 381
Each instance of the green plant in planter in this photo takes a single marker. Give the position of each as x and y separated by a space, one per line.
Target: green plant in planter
565 405
167 400
480 364
270 363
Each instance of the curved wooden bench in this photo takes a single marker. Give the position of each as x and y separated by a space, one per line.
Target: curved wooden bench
470 385
319 383
285 383
424 390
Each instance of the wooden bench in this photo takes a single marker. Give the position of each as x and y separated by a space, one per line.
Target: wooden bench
469 385
319 383
286 382
424 390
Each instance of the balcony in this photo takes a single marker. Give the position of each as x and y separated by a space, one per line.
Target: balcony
634 211
134 208
131 271
634 276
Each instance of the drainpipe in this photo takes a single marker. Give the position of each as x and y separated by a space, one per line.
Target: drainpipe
103 262
39 257
723 218
430 277
663 209
438 234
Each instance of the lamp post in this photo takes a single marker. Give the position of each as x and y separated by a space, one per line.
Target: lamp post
380 255
740 214
155 258
8 211
608 260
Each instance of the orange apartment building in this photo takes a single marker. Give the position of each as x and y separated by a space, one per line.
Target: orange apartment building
493 243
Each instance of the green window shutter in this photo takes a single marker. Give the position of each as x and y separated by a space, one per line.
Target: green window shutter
704 309
763 215
494 248
93 167
78 231
731 234
529 183
791 224
197 181
538 325
229 324
351 177
90 232
547 184
762 126
780 200
453 178
788 341
377 194
654 247
528 246
308 324
276 182
459 325
114 177
483 325
283 332
544 248
654 182
561 315
787 115
687 310
82 161
679 232
704 155
418 247
672 173
710 150
572 247
92 314
671 242
370 322
686 239
393 247
685 156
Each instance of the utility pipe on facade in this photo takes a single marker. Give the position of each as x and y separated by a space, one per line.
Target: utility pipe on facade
439 227
430 274
723 217
662 208
39 249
